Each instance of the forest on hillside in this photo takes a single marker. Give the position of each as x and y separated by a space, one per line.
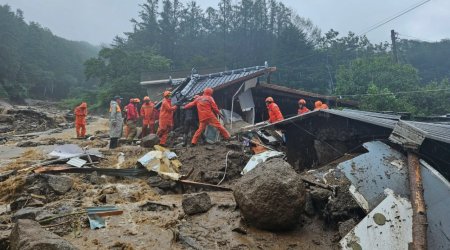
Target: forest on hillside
171 36
35 63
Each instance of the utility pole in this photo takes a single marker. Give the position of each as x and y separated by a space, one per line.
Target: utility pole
394 45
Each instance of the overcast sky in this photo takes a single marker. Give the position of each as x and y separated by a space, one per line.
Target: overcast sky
98 21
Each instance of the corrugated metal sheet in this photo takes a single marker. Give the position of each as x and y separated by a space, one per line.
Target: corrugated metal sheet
438 132
364 117
374 114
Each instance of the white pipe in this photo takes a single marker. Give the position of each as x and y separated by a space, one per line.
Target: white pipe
232 104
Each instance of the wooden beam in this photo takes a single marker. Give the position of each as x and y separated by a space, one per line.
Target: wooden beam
419 227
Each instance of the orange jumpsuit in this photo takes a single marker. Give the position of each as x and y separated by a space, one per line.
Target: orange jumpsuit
303 110
165 120
274 113
148 120
80 120
207 110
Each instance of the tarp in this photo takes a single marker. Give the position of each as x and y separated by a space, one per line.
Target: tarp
260 158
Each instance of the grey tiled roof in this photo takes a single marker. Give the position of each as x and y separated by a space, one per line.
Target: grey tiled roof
199 82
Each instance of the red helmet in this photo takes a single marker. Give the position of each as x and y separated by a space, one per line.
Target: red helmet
302 102
167 93
269 99
83 105
208 91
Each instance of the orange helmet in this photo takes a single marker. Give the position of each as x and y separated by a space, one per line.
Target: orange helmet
302 102
269 99
146 98
136 100
167 93
318 104
208 91
83 105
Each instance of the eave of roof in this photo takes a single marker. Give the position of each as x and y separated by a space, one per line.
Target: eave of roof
288 90
437 132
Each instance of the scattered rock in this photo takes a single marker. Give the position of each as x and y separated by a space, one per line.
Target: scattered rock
161 183
196 203
4 239
155 207
60 183
271 196
28 235
320 197
346 226
93 178
309 207
5 128
6 118
121 246
5 175
25 201
24 144
149 141
27 213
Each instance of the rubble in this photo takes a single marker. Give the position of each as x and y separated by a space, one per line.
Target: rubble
271 196
7 174
27 213
320 213
196 203
28 235
149 141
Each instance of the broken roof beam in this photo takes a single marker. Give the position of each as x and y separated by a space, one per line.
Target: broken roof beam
407 136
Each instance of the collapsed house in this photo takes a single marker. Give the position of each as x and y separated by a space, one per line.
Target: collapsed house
399 171
241 91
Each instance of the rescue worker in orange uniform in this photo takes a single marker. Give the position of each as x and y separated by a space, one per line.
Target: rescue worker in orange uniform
80 120
274 111
302 109
132 118
165 118
148 121
318 105
207 112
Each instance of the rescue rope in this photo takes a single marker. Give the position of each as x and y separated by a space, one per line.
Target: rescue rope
226 166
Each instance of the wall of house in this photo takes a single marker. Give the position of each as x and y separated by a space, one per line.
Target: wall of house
313 142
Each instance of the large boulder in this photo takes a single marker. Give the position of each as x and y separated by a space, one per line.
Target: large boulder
196 203
271 196
28 234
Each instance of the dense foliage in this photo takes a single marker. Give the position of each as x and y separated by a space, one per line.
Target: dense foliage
35 63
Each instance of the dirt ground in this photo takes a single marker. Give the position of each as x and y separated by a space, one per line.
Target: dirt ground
151 219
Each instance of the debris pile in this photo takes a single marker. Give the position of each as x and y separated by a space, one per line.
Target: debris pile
237 194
